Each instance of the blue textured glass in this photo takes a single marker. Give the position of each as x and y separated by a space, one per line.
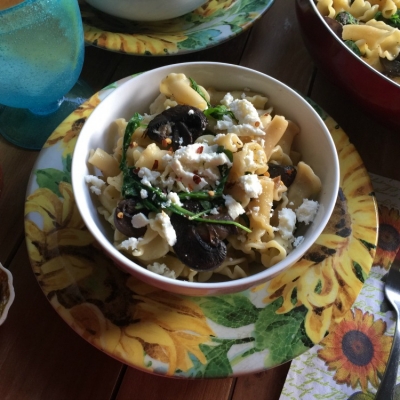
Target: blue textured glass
41 55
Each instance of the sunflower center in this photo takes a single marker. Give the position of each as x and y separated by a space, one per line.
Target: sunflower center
389 238
358 348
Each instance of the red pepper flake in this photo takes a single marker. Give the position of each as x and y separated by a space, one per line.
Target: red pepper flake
155 165
133 144
120 215
200 149
196 179
136 170
257 124
165 142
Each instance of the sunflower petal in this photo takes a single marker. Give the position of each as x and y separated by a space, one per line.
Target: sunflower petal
48 205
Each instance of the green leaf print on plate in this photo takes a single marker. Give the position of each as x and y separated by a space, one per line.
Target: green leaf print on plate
50 178
282 334
232 311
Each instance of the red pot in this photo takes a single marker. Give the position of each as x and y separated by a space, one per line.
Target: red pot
375 93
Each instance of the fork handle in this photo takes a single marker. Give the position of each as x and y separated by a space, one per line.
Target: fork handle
387 386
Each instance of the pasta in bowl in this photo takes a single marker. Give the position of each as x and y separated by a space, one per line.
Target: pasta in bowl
198 178
357 44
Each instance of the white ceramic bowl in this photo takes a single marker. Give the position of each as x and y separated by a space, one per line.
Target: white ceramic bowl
314 142
146 10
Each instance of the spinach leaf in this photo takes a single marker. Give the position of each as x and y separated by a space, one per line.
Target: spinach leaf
353 47
218 112
133 124
393 20
197 89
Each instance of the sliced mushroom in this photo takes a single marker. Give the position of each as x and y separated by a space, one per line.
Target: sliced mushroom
336 26
181 124
286 172
124 212
200 245
392 67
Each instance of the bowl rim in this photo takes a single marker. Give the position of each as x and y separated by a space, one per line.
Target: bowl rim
346 48
185 287
125 11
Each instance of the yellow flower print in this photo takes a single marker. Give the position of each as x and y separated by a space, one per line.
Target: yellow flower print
357 349
54 247
166 327
67 132
181 319
330 276
213 6
389 236
137 43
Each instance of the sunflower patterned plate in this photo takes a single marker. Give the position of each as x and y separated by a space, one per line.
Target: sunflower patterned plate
194 337
213 23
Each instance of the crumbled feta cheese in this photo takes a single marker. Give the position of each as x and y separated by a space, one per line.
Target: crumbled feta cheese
196 165
163 225
144 194
307 211
190 112
246 130
228 98
96 184
234 208
298 241
225 124
129 244
251 185
148 176
174 198
245 112
253 159
287 223
249 122
166 204
161 269
214 211
139 220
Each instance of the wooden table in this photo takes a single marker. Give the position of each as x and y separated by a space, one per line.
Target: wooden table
41 358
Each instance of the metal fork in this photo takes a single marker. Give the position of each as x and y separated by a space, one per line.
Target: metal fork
392 291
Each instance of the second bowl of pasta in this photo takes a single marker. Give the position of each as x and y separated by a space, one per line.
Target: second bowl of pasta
357 45
205 178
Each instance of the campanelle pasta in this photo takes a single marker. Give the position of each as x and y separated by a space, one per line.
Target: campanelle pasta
206 183
376 39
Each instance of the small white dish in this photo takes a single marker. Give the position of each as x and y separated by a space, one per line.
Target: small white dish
7 293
